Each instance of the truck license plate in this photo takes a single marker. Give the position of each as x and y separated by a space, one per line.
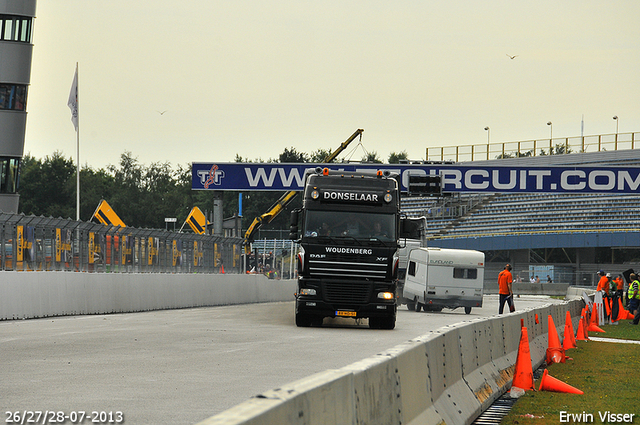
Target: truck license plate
346 313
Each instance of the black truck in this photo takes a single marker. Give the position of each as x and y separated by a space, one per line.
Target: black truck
348 230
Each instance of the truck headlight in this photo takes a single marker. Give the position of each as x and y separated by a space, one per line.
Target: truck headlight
308 291
385 295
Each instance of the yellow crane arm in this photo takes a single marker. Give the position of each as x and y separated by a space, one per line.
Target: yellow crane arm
285 199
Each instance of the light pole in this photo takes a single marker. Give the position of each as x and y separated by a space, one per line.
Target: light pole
615 118
550 124
488 130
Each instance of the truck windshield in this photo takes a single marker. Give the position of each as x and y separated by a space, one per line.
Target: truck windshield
338 224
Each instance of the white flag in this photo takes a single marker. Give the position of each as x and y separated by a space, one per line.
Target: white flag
73 100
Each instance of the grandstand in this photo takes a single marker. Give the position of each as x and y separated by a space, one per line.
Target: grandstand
533 213
511 226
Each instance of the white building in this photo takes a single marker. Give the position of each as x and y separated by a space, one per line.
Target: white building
16 29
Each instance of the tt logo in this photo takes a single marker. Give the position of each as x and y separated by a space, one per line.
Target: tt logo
213 176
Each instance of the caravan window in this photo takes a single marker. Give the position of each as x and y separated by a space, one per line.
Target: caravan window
412 268
460 273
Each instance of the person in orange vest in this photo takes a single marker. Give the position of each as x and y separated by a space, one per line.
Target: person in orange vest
603 283
603 287
619 285
615 295
505 281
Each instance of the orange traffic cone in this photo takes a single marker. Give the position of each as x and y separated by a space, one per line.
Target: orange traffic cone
593 324
622 313
582 334
555 352
594 316
595 328
610 302
221 268
585 322
615 312
523 375
549 383
569 340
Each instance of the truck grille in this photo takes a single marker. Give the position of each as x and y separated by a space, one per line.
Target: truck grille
352 292
334 268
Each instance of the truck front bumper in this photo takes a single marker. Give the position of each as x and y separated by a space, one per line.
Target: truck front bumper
318 308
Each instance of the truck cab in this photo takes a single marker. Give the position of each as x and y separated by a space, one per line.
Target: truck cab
348 235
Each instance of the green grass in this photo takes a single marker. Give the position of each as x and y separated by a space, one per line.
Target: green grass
607 372
624 330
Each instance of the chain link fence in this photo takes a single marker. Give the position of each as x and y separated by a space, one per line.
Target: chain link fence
30 243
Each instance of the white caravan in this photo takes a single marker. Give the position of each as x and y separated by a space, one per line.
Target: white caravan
440 278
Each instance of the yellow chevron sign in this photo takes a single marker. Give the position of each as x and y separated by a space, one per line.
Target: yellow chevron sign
197 221
106 215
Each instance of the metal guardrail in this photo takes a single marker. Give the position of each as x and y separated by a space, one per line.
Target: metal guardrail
454 235
486 151
30 243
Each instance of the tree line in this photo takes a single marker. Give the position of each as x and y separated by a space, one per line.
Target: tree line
143 195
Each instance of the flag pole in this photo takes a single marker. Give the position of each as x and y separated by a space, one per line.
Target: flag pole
74 106
77 150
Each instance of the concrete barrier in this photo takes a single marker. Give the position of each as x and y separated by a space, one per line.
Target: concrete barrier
577 291
491 287
447 376
26 295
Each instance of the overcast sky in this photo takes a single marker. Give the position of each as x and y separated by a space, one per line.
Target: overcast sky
255 77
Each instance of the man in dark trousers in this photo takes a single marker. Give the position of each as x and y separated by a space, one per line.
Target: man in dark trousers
505 281
634 298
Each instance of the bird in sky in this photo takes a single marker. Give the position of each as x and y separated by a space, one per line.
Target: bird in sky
512 57
161 113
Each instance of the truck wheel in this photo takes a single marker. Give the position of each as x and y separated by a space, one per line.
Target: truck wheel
388 322
382 322
373 323
302 320
467 310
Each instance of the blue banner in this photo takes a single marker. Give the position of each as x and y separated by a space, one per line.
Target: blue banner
455 178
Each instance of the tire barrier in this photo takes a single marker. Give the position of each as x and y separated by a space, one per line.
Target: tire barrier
449 375
45 294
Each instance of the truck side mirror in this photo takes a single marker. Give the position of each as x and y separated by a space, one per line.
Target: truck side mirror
407 228
293 225
410 228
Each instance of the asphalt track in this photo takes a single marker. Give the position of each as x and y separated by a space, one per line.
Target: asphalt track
182 366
